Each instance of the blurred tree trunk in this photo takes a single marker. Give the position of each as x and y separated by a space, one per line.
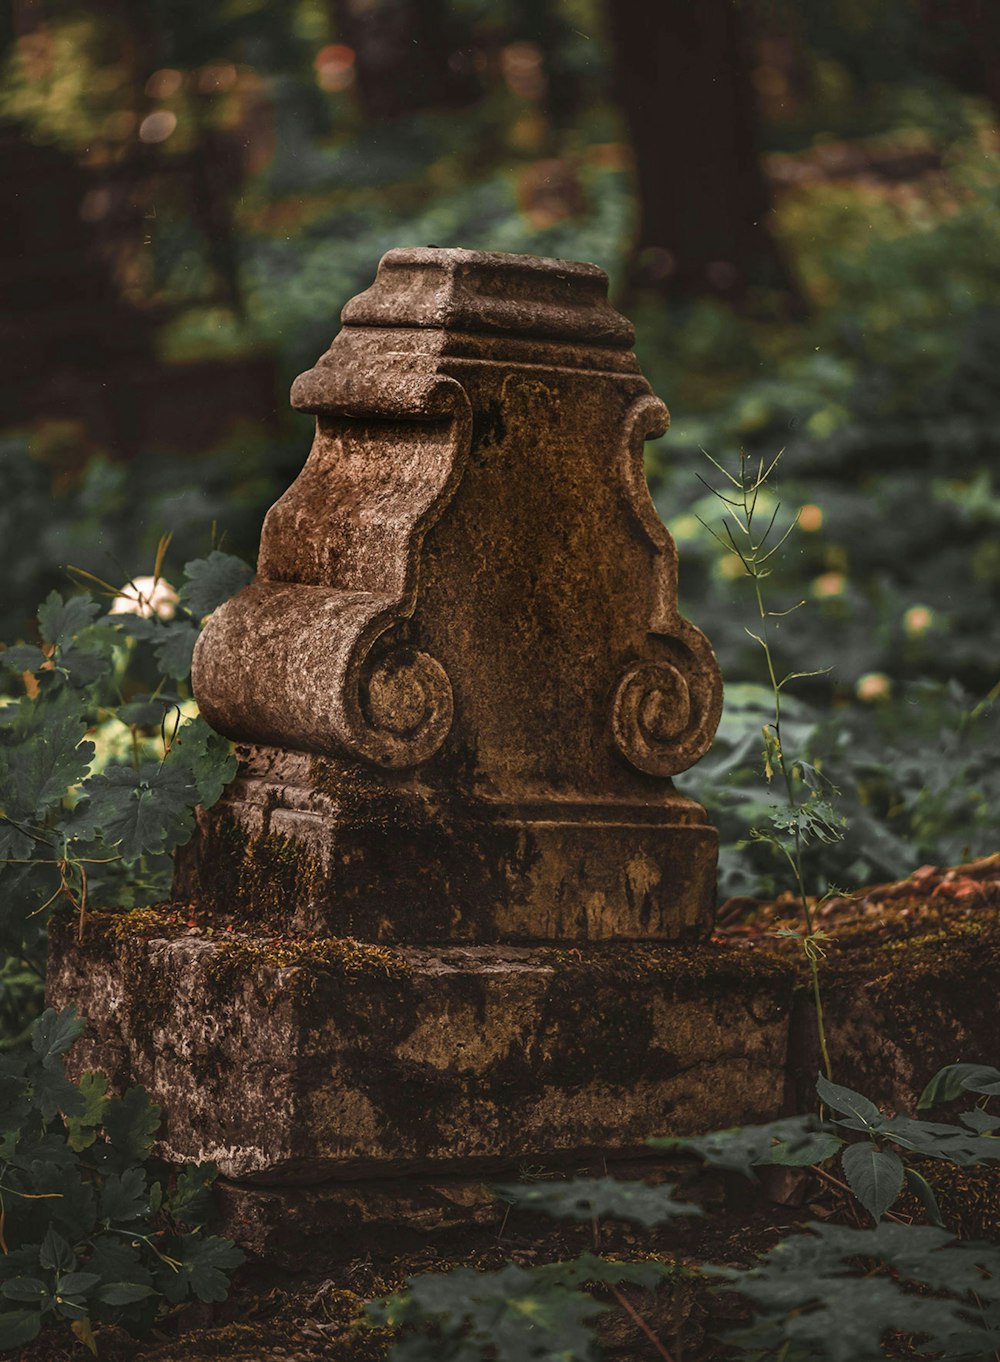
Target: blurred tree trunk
683 81
406 56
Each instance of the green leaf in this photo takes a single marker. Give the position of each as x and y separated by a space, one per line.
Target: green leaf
76 1283
149 810
743 1148
983 1122
206 1262
81 1131
587 1198
954 1080
208 756
212 580
815 1148
191 1198
173 647
24 1289
124 1197
54 1032
924 1192
874 1175
60 620
848 1102
125 1293
38 771
18 1327
131 1122
56 1253
22 657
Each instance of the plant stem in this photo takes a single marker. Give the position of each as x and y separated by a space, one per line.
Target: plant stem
640 1323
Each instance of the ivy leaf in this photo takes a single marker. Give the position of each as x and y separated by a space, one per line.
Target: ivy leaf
173 647
149 810
208 756
124 1197
81 1129
59 620
587 1198
130 1123
212 580
206 1262
18 1327
874 1175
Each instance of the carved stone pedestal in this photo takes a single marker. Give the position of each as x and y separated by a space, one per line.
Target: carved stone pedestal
448 913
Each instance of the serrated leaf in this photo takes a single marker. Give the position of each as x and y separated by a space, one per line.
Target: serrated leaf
743 1148
22 657
954 1080
212 580
173 647
81 1131
144 811
60 620
18 1327
123 1197
77 1283
815 1148
587 1198
208 756
131 1122
55 1253
191 1198
54 1032
848 1102
24 1289
38 771
206 1262
875 1176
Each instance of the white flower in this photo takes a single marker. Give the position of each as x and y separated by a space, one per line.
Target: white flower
146 596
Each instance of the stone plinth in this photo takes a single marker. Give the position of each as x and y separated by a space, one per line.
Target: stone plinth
367 1061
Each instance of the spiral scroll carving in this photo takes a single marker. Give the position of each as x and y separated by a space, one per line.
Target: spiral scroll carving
408 703
660 722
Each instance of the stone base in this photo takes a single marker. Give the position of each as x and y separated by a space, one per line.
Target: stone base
307 844
304 1061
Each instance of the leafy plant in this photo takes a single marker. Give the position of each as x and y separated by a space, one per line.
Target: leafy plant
90 1232
807 815
826 1293
102 759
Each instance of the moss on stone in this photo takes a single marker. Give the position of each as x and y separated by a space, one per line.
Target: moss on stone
312 959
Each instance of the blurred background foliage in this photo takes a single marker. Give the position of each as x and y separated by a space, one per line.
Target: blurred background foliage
796 201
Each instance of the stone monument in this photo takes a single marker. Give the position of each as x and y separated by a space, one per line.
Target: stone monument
449 910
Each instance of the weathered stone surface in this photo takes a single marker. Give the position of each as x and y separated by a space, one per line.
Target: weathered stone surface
461 666
380 1060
